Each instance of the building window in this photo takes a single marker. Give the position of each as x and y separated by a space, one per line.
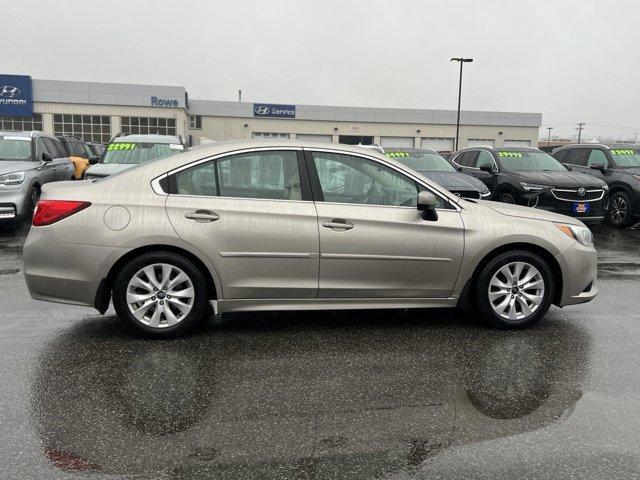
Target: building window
195 122
149 125
90 128
270 135
16 124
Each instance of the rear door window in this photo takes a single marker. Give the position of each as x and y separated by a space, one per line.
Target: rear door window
578 156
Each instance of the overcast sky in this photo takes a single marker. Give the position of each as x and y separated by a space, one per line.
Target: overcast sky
570 60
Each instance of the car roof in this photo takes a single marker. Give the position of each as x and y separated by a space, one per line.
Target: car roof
602 145
27 134
499 149
151 138
410 150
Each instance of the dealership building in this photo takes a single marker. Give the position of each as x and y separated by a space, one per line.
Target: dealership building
98 111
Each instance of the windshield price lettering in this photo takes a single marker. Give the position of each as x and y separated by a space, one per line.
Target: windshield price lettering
121 146
510 154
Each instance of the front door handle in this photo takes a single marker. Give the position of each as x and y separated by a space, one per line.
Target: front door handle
338 224
202 216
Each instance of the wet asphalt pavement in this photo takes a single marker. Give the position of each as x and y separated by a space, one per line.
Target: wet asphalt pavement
351 395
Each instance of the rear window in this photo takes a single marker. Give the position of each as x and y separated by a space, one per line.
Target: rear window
422 161
531 161
130 153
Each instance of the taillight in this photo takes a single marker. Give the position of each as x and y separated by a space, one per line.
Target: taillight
52 211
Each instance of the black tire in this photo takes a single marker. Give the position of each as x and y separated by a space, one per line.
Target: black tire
487 273
32 199
620 210
198 310
507 198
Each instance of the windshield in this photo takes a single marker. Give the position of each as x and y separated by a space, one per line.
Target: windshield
626 157
422 161
15 148
135 153
529 161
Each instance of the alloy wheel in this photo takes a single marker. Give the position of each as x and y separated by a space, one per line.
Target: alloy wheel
618 210
516 291
160 295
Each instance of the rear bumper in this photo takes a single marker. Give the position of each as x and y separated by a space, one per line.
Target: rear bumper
64 272
579 265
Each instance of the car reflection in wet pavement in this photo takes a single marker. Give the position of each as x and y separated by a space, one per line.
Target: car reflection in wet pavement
349 395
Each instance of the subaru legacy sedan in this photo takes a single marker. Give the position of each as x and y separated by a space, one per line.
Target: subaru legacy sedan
288 225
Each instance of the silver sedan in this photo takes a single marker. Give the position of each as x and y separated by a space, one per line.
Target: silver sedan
286 225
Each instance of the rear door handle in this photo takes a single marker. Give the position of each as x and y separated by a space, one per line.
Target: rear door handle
338 224
202 216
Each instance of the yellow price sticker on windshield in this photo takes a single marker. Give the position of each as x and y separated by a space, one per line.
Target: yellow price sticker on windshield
397 154
121 146
510 154
623 152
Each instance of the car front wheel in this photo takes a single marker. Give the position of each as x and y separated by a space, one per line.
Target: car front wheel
620 210
515 289
160 294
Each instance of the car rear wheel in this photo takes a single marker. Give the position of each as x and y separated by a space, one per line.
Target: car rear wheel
161 294
507 198
515 289
620 210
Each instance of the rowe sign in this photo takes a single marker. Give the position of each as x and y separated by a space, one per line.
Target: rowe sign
164 102
274 111
16 95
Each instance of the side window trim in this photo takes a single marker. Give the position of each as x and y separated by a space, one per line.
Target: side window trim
316 189
172 186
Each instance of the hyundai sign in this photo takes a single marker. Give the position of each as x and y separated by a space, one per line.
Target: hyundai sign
16 97
274 111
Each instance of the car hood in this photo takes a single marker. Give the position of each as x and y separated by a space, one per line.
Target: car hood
560 179
16 166
456 181
519 211
106 169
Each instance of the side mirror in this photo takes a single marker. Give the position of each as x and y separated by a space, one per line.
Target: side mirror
487 168
93 160
598 166
427 205
567 166
46 157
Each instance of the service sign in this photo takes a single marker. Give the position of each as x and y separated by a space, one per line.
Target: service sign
274 111
16 96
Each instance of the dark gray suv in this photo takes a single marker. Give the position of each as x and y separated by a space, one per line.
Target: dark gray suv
28 160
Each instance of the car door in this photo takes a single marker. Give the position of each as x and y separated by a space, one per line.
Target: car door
373 240
489 179
252 215
47 170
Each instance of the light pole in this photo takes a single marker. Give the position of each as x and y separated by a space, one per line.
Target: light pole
461 61
549 140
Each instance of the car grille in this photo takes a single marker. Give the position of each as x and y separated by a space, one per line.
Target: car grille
574 195
466 193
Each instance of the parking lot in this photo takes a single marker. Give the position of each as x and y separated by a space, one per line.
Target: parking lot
383 394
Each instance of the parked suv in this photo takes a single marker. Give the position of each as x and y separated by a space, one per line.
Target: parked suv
28 160
432 165
619 166
79 153
126 150
531 177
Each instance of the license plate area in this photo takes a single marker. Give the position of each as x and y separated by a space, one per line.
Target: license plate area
581 208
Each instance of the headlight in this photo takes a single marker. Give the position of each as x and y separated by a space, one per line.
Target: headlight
581 234
533 186
15 178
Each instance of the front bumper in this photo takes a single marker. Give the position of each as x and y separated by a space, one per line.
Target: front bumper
579 265
545 200
13 202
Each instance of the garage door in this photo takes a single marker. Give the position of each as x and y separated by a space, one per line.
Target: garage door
314 138
403 142
517 143
438 144
478 142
